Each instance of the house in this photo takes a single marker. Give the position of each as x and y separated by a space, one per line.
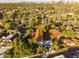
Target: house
7 38
74 40
68 43
70 14
10 37
54 32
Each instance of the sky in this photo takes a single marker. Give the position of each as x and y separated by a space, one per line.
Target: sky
12 1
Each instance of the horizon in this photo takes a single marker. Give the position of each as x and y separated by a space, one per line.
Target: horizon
18 1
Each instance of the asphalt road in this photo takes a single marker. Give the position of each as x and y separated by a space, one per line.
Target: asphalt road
68 54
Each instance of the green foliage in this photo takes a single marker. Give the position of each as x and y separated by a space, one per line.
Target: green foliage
55 44
33 40
22 49
7 26
31 23
68 33
42 17
41 49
